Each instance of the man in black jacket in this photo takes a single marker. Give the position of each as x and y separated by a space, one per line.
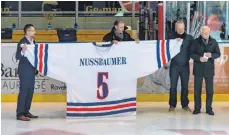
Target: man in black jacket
26 75
118 33
179 67
204 51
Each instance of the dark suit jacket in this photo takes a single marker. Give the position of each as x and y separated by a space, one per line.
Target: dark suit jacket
183 57
198 49
111 36
24 67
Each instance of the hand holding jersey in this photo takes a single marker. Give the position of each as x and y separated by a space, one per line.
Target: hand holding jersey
24 47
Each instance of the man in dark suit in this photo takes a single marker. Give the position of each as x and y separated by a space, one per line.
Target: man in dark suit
26 75
204 51
179 67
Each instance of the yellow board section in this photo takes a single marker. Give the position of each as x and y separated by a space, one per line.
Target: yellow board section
52 36
140 97
165 97
41 36
36 97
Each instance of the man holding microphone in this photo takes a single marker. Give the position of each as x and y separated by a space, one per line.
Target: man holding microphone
26 75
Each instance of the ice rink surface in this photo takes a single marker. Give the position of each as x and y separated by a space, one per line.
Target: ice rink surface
151 119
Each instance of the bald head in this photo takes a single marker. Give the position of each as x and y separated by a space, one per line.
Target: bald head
205 32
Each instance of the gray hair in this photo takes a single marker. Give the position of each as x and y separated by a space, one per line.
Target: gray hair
179 22
204 27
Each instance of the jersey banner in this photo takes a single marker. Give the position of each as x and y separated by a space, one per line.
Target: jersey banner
101 78
159 81
10 78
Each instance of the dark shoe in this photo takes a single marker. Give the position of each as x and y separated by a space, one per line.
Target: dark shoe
171 109
187 109
196 112
23 118
210 112
29 115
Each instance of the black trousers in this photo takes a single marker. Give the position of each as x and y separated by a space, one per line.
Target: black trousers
25 96
177 71
198 80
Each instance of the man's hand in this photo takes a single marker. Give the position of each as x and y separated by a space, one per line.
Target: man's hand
202 59
115 41
209 55
165 66
137 41
40 74
24 48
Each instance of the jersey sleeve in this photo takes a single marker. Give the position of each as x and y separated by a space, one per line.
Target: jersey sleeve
153 55
48 59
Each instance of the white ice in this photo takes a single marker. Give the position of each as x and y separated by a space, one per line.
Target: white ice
152 119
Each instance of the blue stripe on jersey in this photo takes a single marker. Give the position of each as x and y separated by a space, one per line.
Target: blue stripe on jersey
100 114
101 103
35 55
46 60
158 54
168 50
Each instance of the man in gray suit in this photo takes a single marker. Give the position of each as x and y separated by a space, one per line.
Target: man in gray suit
26 75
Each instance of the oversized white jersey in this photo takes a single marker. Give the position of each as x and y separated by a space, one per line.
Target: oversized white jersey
101 81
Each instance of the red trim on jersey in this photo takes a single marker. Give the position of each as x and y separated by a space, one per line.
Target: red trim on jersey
41 53
163 52
106 108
